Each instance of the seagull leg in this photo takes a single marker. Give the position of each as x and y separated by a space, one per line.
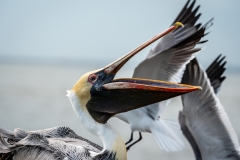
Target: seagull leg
139 139
130 140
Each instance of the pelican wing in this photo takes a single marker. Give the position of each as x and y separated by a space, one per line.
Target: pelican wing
168 59
37 153
59 132
37 146
78 142
55 132
52 143
27 149
206 118
70 150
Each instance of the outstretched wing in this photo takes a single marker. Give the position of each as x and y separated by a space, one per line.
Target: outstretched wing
205 118
168 59
215 75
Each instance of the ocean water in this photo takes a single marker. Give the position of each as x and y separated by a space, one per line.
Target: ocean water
34 97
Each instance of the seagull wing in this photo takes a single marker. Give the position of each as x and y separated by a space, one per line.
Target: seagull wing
215 71
206 119
168 59
214 74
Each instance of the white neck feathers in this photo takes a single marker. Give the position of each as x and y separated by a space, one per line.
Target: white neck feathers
112 141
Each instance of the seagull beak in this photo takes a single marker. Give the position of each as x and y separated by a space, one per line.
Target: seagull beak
110 97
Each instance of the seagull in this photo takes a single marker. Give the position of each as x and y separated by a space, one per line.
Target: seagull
203 119
95 98
166 62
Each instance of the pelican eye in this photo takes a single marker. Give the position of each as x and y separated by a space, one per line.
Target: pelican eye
92 78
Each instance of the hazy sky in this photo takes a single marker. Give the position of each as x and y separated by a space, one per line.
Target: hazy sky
106 30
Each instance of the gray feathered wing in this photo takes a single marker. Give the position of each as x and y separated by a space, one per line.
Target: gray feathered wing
215 75
206 120
168 59
50 144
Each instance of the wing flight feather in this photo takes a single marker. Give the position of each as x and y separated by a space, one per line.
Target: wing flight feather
206 119
168 59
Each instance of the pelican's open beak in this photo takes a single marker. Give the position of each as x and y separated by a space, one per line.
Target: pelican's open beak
110 97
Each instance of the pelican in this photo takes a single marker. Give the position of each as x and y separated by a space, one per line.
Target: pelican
95 98
203 119
55 132
54 148
53 140
166 62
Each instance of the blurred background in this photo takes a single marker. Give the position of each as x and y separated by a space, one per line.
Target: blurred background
45 46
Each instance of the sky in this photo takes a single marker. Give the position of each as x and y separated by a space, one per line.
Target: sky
96 32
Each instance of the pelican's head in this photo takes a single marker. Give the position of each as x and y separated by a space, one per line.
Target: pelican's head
103 96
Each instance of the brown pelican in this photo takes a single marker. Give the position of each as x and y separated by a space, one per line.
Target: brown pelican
36 146
55 132
53 140
95 98
203 119
166 62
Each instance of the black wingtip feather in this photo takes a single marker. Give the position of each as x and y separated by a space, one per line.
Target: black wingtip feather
181 12
201 42
187 13
189 16
214 72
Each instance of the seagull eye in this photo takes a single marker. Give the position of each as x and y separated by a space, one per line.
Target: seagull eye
92 78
